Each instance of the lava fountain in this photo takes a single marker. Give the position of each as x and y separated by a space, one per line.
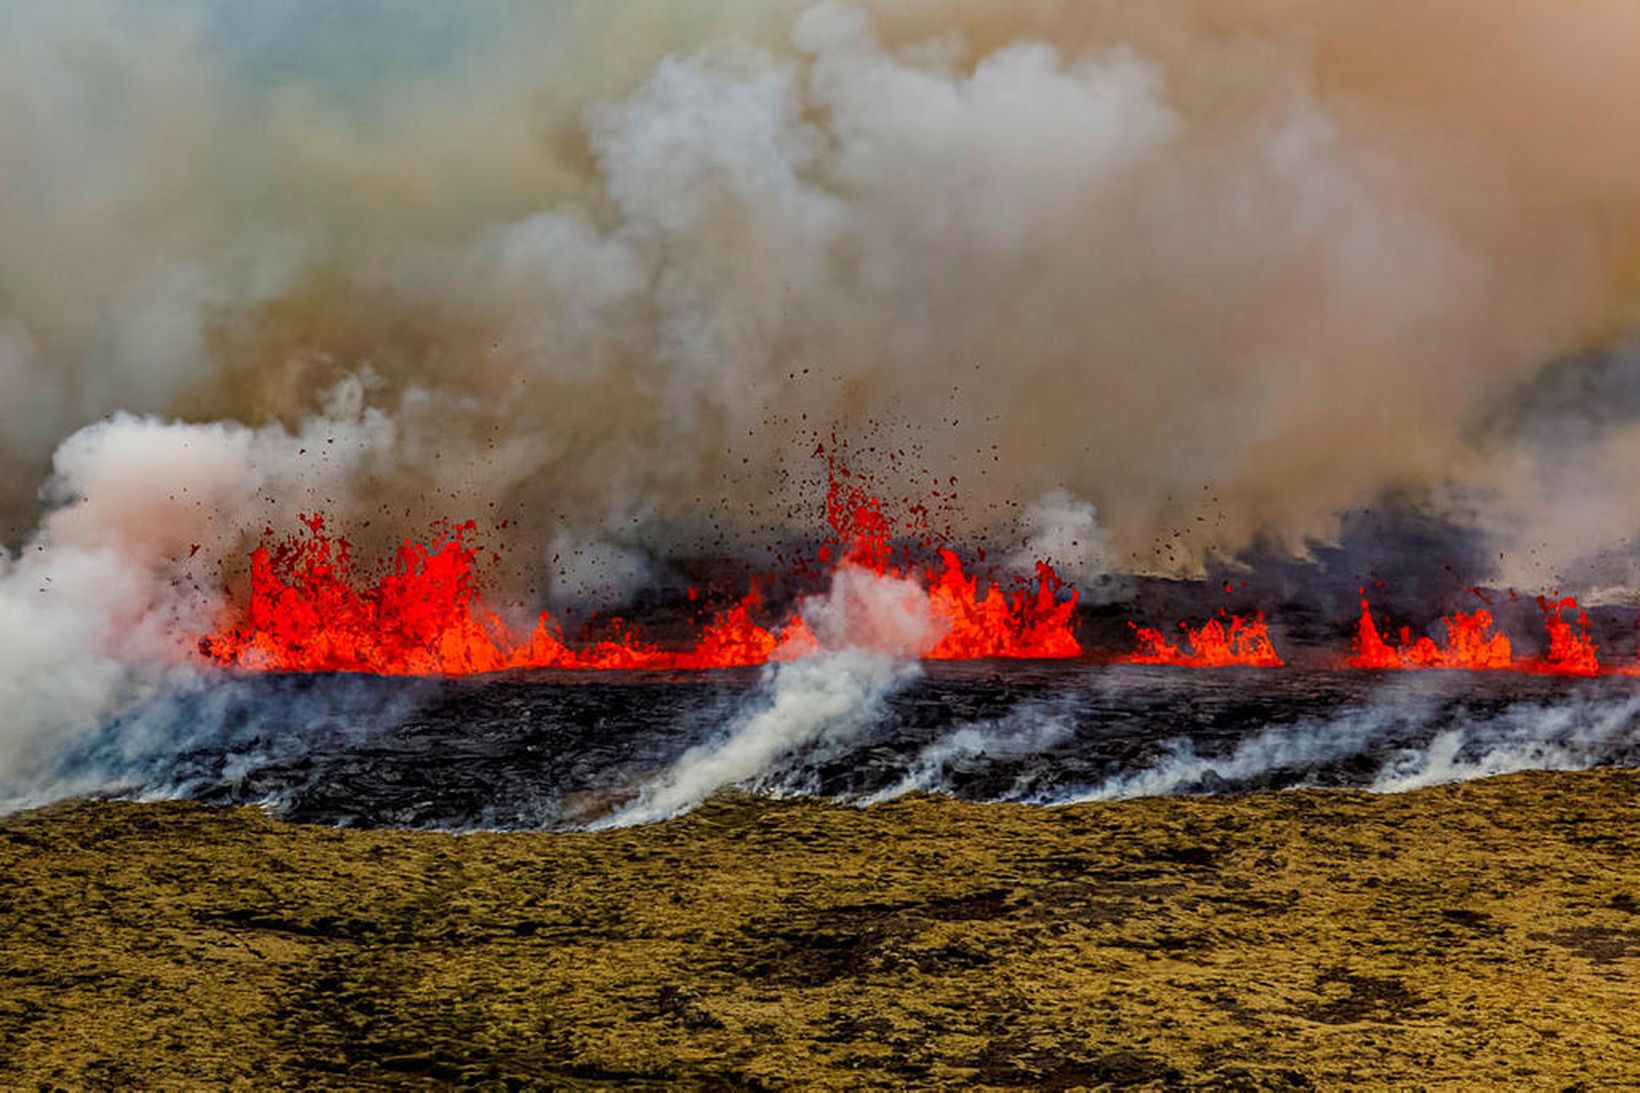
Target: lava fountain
1471 643
1217 643
311 609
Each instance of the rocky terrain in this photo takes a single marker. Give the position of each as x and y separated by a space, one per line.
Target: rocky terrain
1478 934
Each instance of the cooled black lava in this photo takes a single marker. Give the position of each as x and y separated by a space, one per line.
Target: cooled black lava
561 749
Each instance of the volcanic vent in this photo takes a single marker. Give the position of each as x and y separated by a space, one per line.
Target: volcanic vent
310 609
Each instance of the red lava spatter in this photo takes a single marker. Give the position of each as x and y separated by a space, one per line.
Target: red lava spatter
1215 644
1472 645
311 610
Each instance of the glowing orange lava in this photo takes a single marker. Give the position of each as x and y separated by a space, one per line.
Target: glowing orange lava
310 610
1371 650
1020 623
1571 651
1030 620
1244 642
1472 645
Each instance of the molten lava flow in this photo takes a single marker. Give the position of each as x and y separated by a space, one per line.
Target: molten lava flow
1244 642
1571 651
1023 622
1471 644
307 615
310 610
1371 650
1020 623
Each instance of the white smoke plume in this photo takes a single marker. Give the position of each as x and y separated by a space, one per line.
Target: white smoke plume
103 603
1065 532
1023 732
1571 735
1181 768
1573 732
871 630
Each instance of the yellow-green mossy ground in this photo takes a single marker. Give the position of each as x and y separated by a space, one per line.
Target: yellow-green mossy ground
1466 935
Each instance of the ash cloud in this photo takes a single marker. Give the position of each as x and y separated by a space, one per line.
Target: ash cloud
1138 255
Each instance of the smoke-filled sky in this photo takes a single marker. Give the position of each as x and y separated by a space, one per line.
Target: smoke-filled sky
1153 282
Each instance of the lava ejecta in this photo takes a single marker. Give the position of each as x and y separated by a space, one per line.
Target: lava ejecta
1244 642
1027 620
1571 651
1472 645
311 610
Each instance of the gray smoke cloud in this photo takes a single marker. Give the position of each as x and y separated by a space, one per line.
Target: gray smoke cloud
1138 257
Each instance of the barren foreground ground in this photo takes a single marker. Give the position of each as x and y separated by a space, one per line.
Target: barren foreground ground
1486 933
